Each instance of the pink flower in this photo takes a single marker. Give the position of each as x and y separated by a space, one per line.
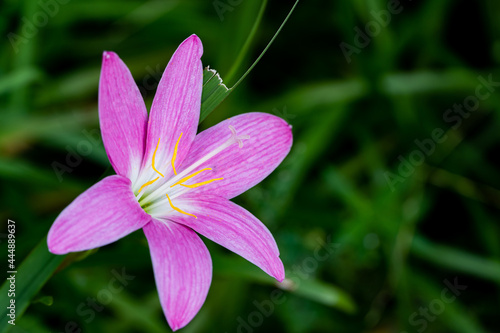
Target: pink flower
172 182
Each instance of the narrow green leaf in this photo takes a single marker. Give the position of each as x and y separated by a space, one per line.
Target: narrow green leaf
326 294
33 273
207 75
246 46
268 45
310 288
18 79
429 81
456 259
214 92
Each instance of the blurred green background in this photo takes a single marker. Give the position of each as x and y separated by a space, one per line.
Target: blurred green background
385 211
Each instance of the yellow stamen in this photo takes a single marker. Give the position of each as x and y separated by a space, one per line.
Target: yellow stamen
153 163
148 183
178 209
190 176
175 153
202 183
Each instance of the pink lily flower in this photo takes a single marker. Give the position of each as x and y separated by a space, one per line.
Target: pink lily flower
174 183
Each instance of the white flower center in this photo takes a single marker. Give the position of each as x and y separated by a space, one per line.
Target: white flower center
156 194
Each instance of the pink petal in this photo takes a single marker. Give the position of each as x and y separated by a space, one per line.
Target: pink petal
122 115
176 107
183 270
233 227
242 168
101 215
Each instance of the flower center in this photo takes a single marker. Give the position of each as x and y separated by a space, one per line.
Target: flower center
152 198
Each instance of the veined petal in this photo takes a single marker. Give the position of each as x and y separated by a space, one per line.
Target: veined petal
101 215
233 227
176 107
270 140
183 270
122 116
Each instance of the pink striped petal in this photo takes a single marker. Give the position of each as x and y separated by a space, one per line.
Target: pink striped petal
183 270
101 215
176 107
122 116
242 168
233 227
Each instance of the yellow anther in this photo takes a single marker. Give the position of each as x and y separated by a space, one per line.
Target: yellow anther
178 209
153 163
175 153
148 183
202 183
190 176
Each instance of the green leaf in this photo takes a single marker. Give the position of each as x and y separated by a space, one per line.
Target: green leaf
456 259
33 273
19 78
214 92
310 288
326 294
